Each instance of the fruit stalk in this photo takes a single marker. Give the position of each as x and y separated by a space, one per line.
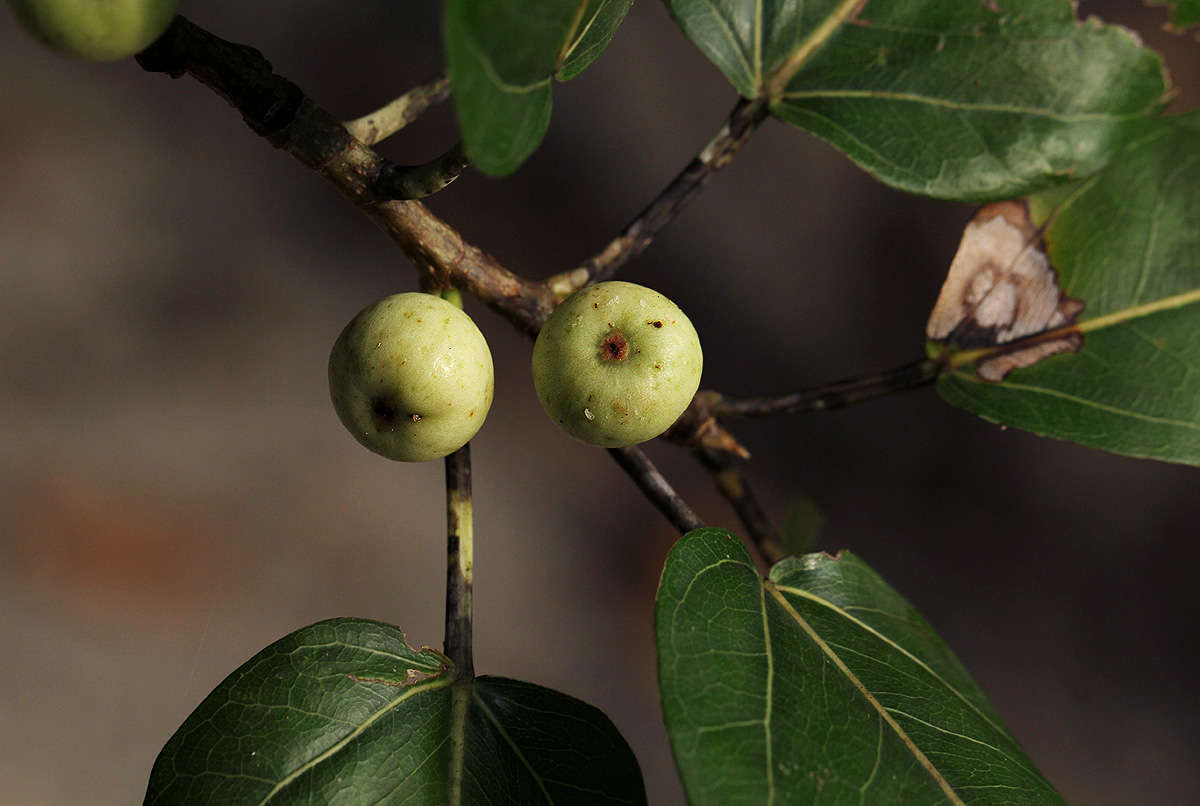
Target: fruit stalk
732 484
280 111
656 488
460 558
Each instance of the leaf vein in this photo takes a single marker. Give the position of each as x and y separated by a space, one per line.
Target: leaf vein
352 735
910 97
583 32
1022 387
948 732
921 758
512 744
494 77
766 720
1152 236
867 627
727 29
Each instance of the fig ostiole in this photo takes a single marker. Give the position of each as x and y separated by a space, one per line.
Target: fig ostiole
616 364
411 377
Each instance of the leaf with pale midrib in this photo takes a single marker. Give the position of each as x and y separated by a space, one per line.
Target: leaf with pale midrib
502 56
344 711
955 100
1127 243
821 685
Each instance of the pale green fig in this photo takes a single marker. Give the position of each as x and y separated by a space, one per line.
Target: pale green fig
616 364
101 30
411 377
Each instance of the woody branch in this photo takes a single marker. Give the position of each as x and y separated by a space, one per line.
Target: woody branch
278 110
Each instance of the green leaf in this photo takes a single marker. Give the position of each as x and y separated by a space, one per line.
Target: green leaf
502 56
600 21
955 100
1126 243
344 711
821 685
1184 13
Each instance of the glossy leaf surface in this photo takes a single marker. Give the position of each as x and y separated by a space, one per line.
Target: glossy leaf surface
959 100
344 711
821 685
1126 243
502 56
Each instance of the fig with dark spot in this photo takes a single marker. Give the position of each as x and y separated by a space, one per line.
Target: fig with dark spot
408 384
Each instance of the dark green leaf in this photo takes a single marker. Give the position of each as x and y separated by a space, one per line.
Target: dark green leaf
821 685
600 21
1184 13
531 745
748 41
502 56
1126 243
956 100
345 711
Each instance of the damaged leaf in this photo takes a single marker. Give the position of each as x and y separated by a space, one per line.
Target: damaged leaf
1126 244
1001 290
344 711
954 100
820 685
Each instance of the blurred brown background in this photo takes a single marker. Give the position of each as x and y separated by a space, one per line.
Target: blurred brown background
177 492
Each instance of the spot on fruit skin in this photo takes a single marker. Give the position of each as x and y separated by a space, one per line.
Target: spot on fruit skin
614 347
411 377
384 413
596 357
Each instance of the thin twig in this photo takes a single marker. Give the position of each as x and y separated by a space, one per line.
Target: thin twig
743 120
460 580
834 395
440 252
418 181
700 428
460 554
732 484
656 488
697 427
386 121
279 110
